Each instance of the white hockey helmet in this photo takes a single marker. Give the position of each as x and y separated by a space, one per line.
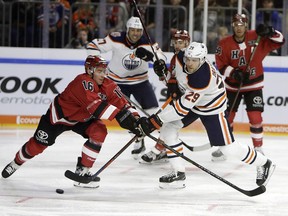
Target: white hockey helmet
196 50
134 22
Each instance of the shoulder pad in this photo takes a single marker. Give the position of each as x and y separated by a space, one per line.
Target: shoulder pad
201 78
117 36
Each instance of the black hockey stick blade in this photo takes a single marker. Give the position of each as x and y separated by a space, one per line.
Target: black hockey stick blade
257 191
82 179
86 179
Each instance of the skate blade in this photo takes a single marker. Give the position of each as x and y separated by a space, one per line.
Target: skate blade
92 185
172 185
272 169
161 161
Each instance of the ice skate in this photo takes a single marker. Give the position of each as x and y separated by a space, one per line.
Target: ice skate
139 148
10 169
151 156
173 180
218 156
265 172
84 171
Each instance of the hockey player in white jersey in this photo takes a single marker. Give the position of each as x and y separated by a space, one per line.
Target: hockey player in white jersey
204 98
131 53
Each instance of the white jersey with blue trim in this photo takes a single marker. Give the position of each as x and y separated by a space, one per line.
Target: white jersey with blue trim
124 67
204 92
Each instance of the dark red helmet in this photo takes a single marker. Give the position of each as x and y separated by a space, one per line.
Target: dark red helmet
92 62
240 18
181 35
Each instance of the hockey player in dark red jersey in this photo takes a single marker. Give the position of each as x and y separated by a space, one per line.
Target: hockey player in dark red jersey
88 99
180 40
131 54
233 61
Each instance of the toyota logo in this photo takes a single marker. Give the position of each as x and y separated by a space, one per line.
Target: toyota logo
257 100
42 135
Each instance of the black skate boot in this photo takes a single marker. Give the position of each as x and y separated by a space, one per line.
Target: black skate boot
84 171
139 148
173 180
10 169
265 172
154 157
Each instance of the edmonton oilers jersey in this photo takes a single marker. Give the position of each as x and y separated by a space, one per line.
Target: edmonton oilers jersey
124 67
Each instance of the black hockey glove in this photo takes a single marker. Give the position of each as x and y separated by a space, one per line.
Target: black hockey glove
265 30
173 89
150 124
144 54
160 68
128 121
238 75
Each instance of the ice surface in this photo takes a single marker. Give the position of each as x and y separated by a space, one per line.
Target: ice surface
129 188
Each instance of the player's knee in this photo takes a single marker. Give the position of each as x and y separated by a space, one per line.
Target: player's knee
97 132
255 117
169 133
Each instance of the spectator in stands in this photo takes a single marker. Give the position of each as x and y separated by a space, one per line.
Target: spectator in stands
215 19
267 14
58 19
116 16
174 18
83 17
22 24
80 41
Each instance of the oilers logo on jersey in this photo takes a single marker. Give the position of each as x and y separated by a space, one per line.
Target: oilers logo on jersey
130 62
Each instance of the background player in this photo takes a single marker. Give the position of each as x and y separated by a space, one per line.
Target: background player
232 59
90 97
129 65
180 40
204 98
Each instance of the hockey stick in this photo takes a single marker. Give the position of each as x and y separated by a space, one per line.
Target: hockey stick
147 35
83 179
259 190
191 148
248 65
145 30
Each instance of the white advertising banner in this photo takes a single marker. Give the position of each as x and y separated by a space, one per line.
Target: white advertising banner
31 77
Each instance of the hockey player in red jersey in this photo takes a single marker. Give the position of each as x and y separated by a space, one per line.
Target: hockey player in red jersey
232 58
180 40
131 54
88 99
204 98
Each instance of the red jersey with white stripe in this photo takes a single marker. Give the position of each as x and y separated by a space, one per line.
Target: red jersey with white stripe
83 99
204 92
231 54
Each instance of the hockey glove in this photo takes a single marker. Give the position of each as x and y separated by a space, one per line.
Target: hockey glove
160 68
238 75
150 124
265 30
173 89
128 121
144 54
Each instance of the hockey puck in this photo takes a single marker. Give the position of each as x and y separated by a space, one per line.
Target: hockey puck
59 191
